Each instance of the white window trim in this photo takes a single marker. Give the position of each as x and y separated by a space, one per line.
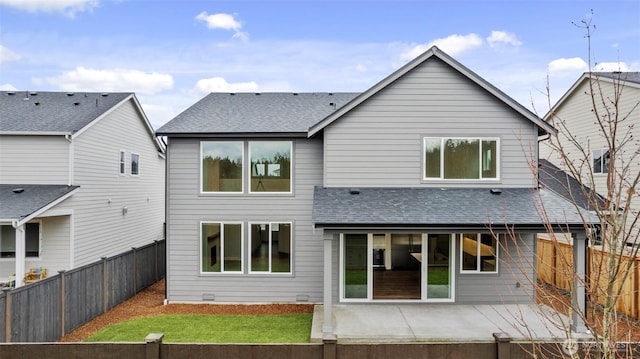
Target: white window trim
222 271
291 165
122 162
131 164
477 270
221 193
270 223
441 178
602 149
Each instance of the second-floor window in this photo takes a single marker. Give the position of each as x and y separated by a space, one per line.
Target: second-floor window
135 164
601 158
456 158
268 167
122 162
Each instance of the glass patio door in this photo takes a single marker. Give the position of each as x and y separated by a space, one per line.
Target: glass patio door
439 265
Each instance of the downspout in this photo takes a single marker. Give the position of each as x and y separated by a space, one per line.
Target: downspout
70 159
20 252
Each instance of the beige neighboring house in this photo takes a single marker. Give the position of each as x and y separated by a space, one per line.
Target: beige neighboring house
81 177
576 110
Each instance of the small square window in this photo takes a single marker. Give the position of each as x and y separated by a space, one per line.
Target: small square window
601 159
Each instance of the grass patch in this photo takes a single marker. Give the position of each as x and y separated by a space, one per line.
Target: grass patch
198 328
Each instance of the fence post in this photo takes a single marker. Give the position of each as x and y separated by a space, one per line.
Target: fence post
105 286
153 341
135 271
330 347
503 341
155 259
62 302
7 315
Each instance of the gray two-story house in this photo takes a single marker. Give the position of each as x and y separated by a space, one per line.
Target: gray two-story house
418 190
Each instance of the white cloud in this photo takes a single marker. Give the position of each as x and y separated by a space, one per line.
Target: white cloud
224 22
85 79
67 7
452 45
567 65
218 84
8 87
501 37
7 55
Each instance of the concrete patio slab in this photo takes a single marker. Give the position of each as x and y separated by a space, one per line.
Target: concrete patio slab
441 323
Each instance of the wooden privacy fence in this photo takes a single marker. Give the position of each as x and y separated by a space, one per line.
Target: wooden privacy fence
555 267
48 309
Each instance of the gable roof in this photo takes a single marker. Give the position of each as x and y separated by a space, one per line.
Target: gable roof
631 79
22 203
440 207
238 114
434 52
560 182
61 113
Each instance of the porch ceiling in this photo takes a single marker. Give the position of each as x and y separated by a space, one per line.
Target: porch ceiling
443 207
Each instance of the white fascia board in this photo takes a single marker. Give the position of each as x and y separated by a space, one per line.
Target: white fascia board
46 208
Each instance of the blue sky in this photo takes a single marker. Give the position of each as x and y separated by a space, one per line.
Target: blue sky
171 53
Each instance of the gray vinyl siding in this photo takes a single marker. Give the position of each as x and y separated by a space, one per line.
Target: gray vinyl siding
100 227
34 160
579 119
379 143
515 266
187 208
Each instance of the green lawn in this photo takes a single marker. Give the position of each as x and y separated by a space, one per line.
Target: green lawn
285 328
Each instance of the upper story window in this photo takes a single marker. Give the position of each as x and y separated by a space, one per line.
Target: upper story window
135 164
478 253
461 158
8 240
122 162
270 166
601 159
222 164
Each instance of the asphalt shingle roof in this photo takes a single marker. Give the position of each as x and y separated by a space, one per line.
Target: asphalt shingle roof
623 76
567 186
15 204
440 207
247 113
63 112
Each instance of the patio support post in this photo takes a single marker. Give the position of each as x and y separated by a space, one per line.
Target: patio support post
327 322
20 254
578 296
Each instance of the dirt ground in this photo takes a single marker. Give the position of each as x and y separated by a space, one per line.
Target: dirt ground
150 301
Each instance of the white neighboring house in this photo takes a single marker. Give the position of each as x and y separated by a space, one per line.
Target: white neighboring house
575 109
81 177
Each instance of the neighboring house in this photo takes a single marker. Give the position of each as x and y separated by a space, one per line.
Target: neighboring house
576 112
81 177
386 196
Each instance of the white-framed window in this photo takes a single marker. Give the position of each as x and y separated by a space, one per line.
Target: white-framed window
135 164
600 160
123 162
457 158
270 244
221 247
221 166
32 238
270 166
478 253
